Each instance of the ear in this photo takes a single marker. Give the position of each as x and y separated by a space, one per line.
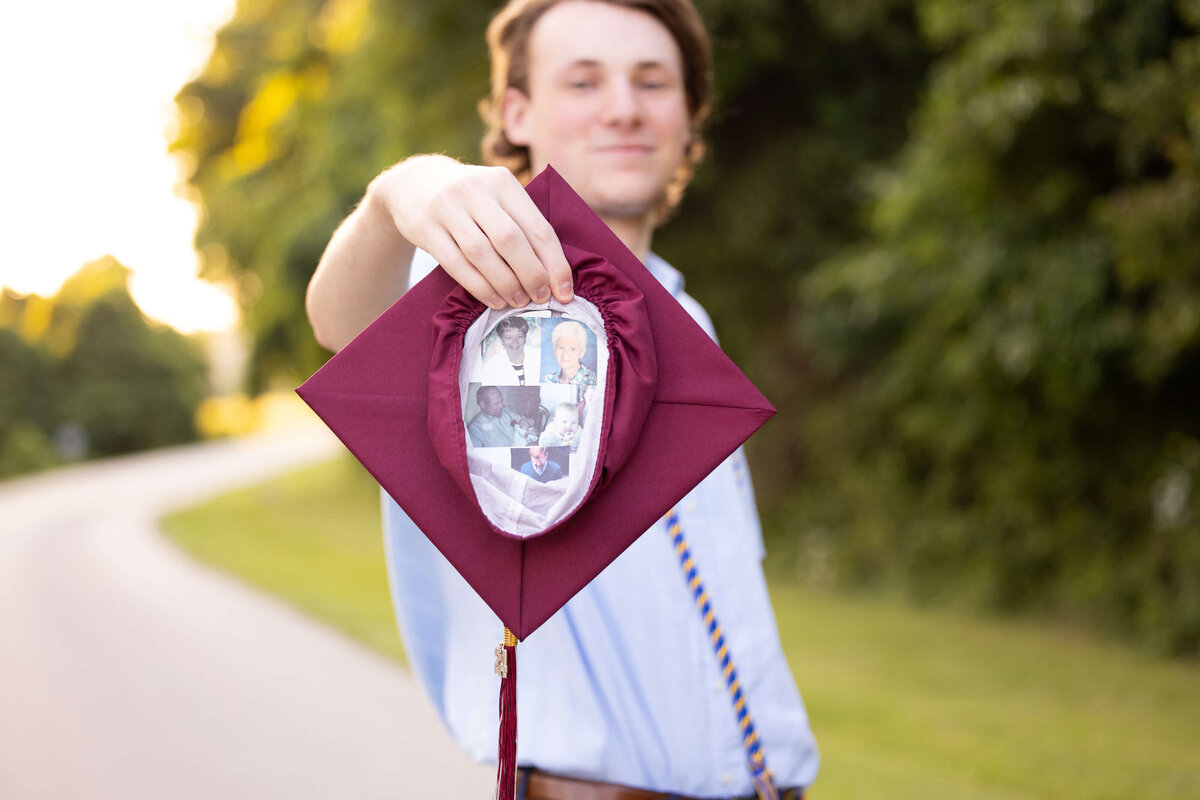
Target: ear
514 113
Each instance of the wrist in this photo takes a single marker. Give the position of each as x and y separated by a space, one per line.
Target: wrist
378 201
399 196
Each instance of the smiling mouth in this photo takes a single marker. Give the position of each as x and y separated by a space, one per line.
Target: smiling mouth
625 149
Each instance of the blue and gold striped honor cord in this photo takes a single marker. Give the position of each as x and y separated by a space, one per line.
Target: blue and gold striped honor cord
764 782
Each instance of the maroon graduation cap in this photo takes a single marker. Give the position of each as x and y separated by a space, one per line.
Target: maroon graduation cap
672 406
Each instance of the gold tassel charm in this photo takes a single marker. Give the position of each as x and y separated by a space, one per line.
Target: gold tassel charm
501 662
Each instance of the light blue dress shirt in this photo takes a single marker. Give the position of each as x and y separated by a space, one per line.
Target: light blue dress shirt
621 684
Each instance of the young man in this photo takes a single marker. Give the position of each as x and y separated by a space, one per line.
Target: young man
621 688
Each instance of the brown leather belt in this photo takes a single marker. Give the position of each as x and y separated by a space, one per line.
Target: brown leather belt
540 785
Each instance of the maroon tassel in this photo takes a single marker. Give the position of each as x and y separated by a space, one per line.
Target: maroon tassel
506 765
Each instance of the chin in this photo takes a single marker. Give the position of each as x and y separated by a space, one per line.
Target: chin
628 204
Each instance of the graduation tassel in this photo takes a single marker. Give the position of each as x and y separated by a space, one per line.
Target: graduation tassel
506 762
760 776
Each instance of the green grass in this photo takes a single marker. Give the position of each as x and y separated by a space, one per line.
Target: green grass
906 702
918 703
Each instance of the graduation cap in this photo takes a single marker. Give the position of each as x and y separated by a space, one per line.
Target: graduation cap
422 399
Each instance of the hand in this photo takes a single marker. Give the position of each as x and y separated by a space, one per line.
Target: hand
480 225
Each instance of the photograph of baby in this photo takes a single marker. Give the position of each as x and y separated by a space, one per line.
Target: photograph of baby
563 429
543 464
512 351
504 416
563 421
568 352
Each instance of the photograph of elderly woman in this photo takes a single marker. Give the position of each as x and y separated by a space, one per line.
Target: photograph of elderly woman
569 353
512 351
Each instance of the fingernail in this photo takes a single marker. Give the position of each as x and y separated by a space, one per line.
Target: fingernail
520 298
496 302
567 289
543 294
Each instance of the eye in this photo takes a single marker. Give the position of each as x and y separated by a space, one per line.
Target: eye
654 79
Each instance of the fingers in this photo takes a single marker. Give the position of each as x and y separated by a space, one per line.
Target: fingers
511 243
507 257
496 249
449 255
534 252
489 236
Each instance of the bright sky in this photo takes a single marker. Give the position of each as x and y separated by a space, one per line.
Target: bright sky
84 169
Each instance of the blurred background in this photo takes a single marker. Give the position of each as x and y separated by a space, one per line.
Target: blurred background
957 244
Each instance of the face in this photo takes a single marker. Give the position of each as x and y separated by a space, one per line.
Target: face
491 403
568 352
606 105
537 456
513 341
567 421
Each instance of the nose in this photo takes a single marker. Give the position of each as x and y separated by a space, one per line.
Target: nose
622 106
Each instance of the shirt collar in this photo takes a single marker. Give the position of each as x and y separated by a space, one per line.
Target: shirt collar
670 278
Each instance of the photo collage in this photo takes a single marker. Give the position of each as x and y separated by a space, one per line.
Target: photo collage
529 407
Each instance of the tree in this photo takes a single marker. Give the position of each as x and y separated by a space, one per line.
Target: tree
300 105
132 387
812 98
1014 352
26 406
87 359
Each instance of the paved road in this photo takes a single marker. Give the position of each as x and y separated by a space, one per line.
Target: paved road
127 671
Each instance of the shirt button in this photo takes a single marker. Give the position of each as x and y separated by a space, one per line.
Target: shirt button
726 778
690 506
718 686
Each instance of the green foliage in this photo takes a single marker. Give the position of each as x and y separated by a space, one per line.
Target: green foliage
300 105
1013 352
85 364
131 387
811 98
24 448
24 374
25 405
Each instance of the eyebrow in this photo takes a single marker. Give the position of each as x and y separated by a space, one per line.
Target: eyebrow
591 62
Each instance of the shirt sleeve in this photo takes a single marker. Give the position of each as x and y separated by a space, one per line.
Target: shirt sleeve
422 265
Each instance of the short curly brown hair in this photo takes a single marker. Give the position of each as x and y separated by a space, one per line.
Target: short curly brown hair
508 37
